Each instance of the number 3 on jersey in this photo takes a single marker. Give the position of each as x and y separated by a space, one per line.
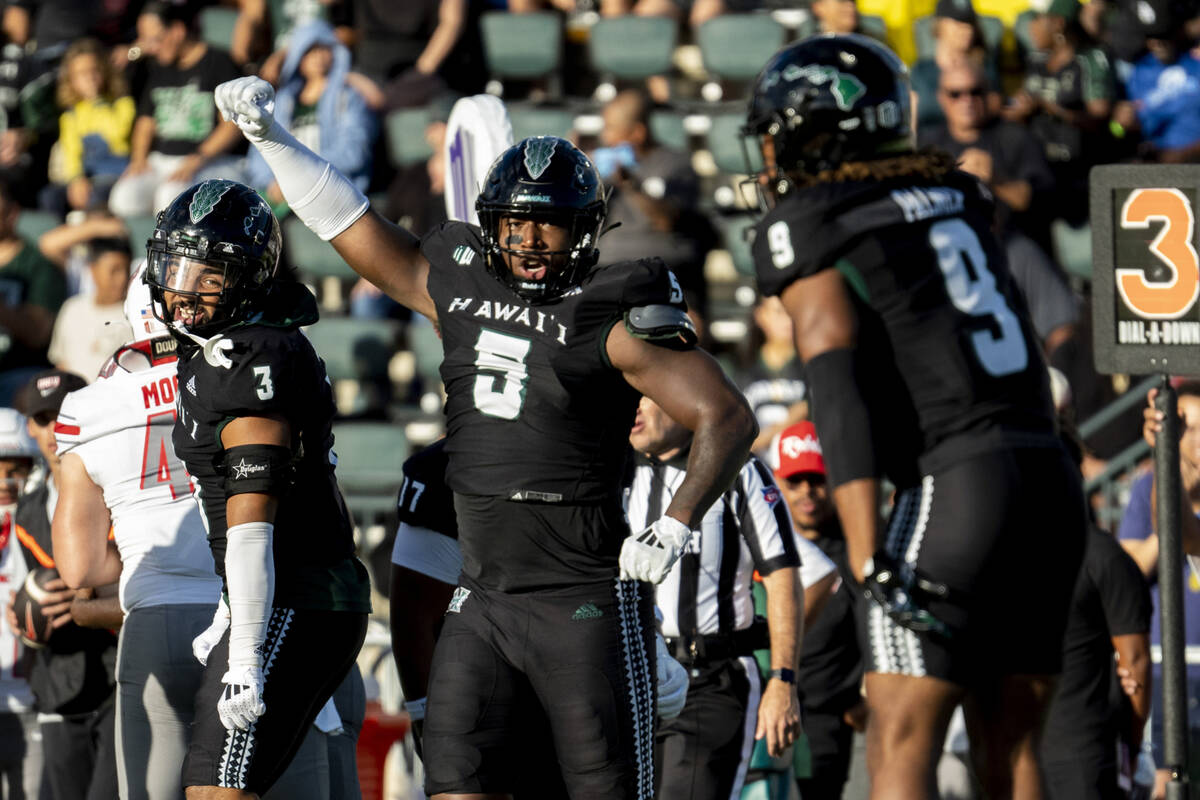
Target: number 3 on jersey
502 395
1000 353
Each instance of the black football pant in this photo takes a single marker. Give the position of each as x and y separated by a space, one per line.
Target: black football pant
831 742
705 751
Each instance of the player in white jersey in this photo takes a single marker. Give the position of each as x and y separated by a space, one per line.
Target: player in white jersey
118 467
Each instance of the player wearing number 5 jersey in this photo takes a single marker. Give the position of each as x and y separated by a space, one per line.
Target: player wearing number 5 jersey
545 354
924 369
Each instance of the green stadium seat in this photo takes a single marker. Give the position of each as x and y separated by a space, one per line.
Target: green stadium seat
311 256
539 121
735 46
666 127
370 457
217 24
1021 31
1072 248
31 224
406 136
140 230
426 347
734 234
354 349
725 143
632 47
524 46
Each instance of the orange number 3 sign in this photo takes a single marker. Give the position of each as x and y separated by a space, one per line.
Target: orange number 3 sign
1173 247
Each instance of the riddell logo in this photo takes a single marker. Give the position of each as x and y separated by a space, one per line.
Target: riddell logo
793 446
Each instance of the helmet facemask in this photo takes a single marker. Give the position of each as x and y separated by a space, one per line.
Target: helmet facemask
567 267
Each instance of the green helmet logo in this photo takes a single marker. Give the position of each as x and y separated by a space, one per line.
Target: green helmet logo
206 197
846 90
538 153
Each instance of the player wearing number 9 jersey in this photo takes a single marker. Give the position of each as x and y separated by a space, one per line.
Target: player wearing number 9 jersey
923 368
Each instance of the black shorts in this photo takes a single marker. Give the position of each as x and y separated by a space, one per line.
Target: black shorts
583 656
1005 532
307 654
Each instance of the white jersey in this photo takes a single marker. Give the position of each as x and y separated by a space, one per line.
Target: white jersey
121 427
749 528
15 694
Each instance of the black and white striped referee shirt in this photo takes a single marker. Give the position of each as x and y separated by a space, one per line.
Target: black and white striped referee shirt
749 528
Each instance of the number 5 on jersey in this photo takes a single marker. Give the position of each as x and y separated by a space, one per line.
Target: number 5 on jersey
502 395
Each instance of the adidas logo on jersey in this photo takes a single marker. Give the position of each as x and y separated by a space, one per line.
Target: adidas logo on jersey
463 255
587 611
456 602
191 385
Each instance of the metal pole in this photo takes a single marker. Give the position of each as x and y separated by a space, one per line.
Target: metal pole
1170 593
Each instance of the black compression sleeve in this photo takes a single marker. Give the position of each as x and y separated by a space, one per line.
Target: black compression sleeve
841 416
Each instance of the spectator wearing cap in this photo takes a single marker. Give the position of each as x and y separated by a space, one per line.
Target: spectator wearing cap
1066 100
831 670
957 38
1164 87
90 327
72 677
708 614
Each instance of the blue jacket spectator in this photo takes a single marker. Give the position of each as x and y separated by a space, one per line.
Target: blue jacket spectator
318 105
1167 97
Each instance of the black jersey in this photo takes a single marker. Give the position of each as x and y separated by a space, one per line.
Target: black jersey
536 414
952 365
534 410
424 500
262 369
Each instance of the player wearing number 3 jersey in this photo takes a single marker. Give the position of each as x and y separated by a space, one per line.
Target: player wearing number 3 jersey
923 368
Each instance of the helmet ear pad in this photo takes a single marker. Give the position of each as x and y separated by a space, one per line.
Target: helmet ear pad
223 224
543 177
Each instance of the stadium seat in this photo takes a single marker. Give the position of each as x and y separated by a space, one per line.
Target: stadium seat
217 24
355 349
523 46
666 127
632 47
734 235
310 255
539 121
1021 31
725 144
370 456
867 23
140 230
992 29
31 224
735 46
1072 248
406 136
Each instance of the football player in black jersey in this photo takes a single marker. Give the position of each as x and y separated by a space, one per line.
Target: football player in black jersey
545 354
923 368
254 410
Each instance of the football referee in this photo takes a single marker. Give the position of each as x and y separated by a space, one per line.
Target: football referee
708 614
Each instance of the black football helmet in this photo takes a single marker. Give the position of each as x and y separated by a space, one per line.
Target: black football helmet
828 100
218 238
543 177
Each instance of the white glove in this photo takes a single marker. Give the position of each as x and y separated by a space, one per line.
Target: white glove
672 681
241 702
248 103
649 555
203 644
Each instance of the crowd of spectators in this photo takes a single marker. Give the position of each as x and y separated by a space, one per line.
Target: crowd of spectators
106 113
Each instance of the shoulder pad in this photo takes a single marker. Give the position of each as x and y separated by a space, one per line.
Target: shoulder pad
662 324
453 244
429 464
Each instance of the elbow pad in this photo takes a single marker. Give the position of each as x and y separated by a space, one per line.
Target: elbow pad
259 469
662 324
840 413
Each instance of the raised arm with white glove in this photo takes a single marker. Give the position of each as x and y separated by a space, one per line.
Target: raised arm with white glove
324 199
650 554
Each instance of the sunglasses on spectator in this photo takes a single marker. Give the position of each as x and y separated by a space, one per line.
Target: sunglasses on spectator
954 94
